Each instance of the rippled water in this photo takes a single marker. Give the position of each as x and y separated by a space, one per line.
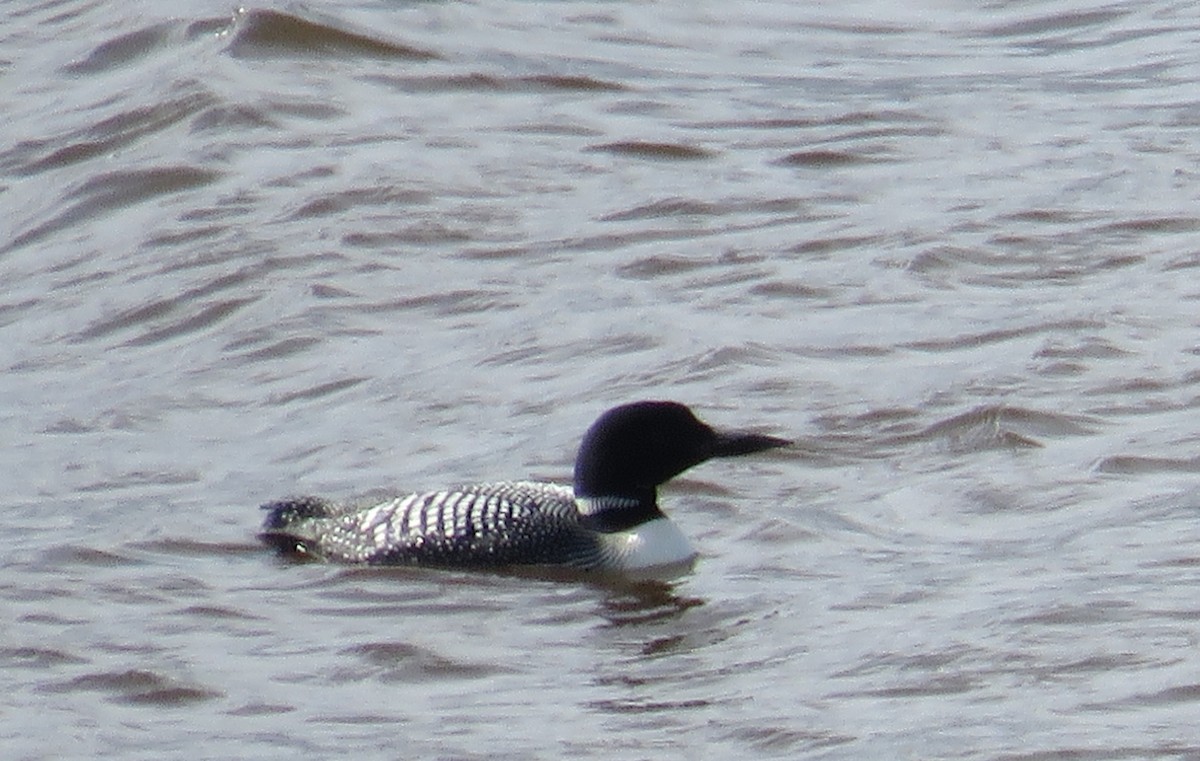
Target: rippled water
949 248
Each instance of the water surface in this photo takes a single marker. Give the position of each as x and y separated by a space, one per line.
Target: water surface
949 249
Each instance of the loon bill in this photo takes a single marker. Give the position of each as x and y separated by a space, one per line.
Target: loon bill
608 521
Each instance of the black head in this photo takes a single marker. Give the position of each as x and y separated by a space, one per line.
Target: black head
632 449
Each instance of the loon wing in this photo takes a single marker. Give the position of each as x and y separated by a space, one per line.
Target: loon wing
488 525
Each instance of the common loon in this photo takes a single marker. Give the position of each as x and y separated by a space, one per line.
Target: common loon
608 522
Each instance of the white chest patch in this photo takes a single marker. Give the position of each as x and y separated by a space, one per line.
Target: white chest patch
654 545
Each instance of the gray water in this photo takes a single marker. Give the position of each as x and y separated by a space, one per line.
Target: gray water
949 248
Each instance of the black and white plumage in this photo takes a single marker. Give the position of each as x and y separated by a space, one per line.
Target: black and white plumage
608 521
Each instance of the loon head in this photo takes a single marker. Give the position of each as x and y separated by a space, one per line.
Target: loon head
633 448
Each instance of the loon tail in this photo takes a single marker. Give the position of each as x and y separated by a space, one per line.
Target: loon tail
289 524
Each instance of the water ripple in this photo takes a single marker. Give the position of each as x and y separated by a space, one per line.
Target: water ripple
269 33
137 686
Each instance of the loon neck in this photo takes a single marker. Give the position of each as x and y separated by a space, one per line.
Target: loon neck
617 513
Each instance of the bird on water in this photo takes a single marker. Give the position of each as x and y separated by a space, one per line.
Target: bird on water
609 521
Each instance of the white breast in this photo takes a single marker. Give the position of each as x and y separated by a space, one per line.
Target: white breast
653 547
